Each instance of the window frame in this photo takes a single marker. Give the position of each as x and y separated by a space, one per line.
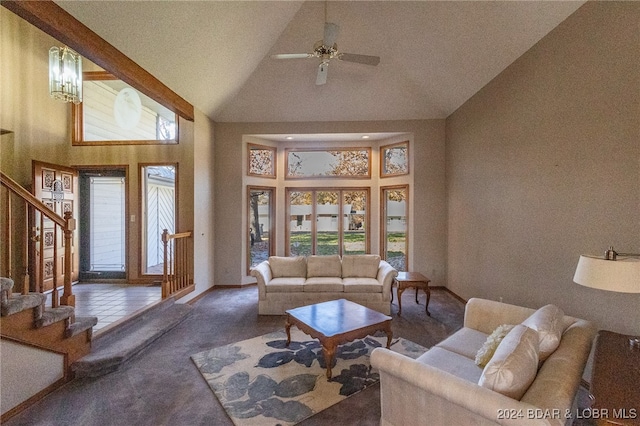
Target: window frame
314 216
383 154
288 176
77 119
274 160
383 221
272 220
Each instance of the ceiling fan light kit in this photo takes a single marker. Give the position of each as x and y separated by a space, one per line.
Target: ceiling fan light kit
327 49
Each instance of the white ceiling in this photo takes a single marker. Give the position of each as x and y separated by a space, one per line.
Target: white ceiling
216 54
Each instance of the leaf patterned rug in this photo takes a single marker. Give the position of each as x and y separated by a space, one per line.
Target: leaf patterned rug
260 381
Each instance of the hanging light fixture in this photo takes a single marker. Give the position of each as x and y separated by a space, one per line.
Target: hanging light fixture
65 75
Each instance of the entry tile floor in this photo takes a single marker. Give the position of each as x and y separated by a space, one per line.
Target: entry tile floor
112 302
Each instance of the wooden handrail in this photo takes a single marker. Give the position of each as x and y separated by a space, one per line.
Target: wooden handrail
28 197
67 224
178 264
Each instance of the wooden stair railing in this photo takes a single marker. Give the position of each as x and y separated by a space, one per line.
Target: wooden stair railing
66 225
177 277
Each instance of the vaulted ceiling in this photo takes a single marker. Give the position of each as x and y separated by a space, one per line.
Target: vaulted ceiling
216 54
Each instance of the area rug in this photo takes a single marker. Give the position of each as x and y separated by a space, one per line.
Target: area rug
261 381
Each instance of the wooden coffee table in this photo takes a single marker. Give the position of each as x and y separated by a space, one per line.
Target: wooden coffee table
404 280
337 322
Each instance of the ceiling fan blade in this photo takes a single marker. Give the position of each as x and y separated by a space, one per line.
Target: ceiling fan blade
361 59
330 34
321 78
293 56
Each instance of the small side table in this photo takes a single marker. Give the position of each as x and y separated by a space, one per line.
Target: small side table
404 280
614 380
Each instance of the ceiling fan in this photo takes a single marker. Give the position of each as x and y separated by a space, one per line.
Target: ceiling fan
327 49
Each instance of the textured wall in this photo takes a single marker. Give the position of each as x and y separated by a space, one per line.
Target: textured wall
543 165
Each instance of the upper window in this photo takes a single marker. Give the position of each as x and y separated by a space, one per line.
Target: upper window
262 161
328 163
112 112
394 159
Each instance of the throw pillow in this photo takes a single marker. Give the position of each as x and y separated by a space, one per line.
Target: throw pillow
514 365
285 267
491 344
360 266
548 321
324 266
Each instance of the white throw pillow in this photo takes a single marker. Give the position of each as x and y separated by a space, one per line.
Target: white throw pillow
491 344
548 322
285 267
514 365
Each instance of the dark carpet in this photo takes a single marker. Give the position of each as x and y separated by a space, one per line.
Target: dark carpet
161 386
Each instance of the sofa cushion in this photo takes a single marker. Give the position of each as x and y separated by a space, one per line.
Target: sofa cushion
452 363
514 365
288 266
465 342
324 266
285 285
490 345
361 285
360 265
323 284
548 321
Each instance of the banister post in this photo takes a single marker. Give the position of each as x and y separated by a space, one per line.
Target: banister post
165 275
68 298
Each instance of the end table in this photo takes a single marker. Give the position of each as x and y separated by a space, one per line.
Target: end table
614 380
404 280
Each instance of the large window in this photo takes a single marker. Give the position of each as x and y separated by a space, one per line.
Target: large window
395 225
327 221
261 214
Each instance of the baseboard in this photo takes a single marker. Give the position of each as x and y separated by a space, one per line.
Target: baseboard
448 291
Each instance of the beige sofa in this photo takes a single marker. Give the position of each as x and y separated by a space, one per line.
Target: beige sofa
442 386
290 282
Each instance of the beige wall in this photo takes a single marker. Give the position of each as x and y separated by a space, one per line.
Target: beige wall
543 165
41 129
427 217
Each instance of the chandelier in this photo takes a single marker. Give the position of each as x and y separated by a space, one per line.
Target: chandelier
65 75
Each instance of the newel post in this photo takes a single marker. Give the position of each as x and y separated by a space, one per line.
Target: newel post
165 275
67 297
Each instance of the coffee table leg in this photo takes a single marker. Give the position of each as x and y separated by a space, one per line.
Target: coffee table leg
329 352
287 326
389 336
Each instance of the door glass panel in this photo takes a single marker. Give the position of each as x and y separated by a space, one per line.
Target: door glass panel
395 227
159 189
260 222
327 216
300 224
107 224
354 224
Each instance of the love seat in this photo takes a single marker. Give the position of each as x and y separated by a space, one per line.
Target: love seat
526 381
290 282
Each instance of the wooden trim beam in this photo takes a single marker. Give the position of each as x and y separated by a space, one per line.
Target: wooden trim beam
58 23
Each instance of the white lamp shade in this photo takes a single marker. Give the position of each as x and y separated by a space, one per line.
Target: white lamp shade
622 275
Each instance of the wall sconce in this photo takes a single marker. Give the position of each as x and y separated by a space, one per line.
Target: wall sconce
65 75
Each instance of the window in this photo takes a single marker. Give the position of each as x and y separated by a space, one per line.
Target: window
262 161
327 221
394 159
158 189
328 163
112 112
395 225
261 214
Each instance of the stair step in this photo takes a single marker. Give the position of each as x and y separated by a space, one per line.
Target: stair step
81 324
53 315
111 351
20 302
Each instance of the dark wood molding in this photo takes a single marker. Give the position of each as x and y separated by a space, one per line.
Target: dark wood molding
58 23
